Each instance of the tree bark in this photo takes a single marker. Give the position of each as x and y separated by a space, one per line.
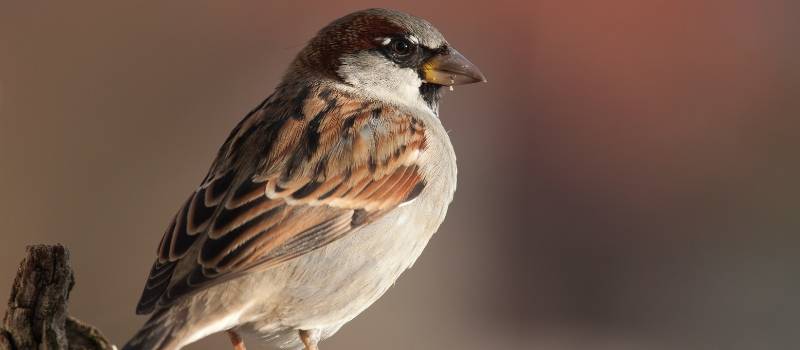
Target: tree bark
37 309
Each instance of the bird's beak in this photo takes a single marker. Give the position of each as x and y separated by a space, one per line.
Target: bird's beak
451 68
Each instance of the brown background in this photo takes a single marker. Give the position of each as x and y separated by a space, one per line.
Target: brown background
628 177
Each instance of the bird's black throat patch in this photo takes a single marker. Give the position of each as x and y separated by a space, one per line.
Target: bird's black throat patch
431 93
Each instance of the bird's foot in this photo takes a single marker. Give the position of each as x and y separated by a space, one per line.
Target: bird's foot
310 338
236 340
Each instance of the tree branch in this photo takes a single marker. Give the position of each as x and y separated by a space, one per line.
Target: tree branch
37 309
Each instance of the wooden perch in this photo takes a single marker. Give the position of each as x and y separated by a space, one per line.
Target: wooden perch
37 309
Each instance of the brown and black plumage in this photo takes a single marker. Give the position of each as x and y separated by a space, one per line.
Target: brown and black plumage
317 179
319 198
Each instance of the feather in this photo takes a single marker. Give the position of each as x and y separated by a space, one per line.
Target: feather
302 170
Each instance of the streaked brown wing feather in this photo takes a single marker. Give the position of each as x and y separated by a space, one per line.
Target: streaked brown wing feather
287 181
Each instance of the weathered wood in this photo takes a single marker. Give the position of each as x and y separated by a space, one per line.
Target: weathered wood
85 337
37 309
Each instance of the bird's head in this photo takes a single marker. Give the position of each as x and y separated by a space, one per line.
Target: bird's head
386 55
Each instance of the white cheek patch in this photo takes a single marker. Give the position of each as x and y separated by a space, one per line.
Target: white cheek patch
376 77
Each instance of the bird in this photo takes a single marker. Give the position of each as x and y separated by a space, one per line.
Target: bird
319 198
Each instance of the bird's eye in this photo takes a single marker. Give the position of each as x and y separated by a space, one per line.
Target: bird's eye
401 49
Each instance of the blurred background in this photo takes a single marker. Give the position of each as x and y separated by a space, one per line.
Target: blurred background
627 178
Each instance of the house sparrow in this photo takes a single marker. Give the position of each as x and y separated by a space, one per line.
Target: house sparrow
320 198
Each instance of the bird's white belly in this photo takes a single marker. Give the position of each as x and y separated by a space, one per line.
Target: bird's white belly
326 288
332 285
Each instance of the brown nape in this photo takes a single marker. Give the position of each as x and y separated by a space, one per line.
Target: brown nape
349 34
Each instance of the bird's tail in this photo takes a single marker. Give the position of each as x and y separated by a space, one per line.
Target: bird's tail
158 333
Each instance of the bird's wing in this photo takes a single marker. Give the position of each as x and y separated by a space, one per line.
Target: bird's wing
296 174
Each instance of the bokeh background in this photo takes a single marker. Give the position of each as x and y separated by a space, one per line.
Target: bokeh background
628 178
